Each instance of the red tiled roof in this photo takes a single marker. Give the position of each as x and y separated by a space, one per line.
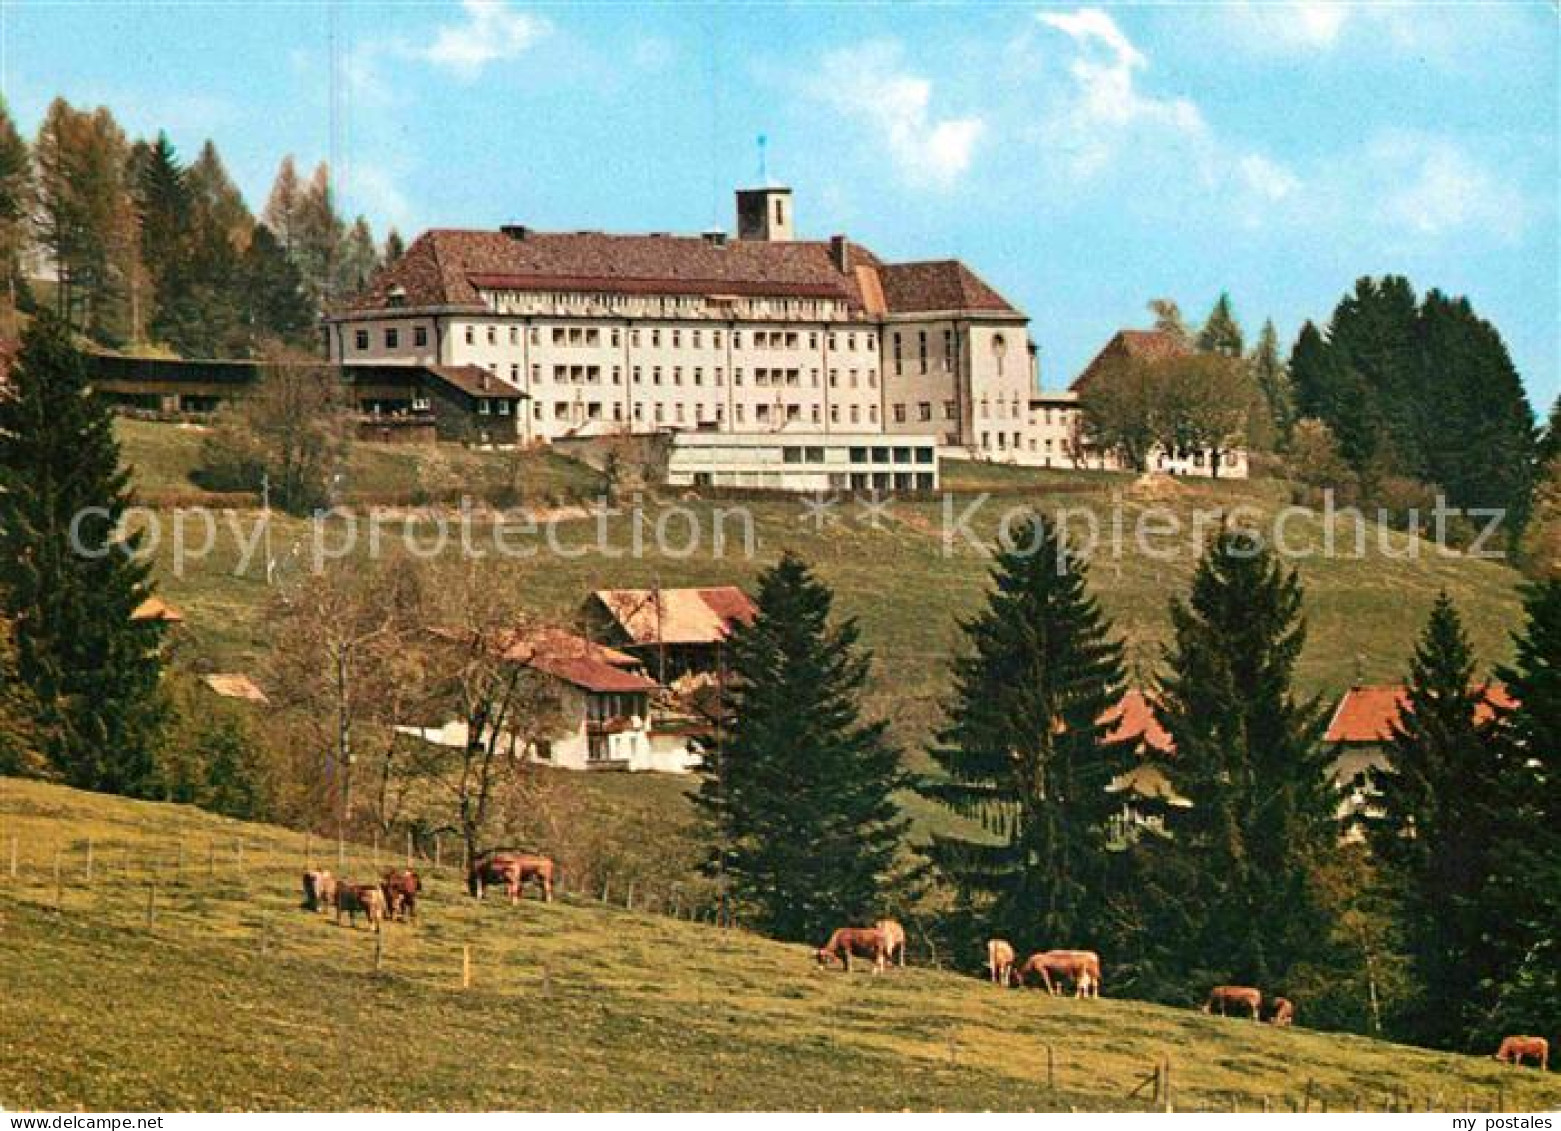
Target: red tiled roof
1366 714
554 641
592 674
235 685
678 616
1134 721
1143 345
446 267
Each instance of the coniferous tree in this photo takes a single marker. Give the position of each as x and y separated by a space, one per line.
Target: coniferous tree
1373 332
161 193
282 206
273 306
395 248
359 259
1525 903
1441 812
1025 750
218 203
15 208
86 221
67 587
1327 389
1221 333
801 793
1245 853
1273 380
318 239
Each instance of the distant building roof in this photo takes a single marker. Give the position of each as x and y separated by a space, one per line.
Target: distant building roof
450 267
1366 714
475 381
155 608
235 685
678 616
1134 721
578 661
1143 345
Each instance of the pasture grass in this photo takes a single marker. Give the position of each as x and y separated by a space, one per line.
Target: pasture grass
232 997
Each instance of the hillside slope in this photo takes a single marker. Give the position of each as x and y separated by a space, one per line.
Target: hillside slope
225 994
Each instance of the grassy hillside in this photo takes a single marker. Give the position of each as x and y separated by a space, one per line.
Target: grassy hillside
164 457
229 996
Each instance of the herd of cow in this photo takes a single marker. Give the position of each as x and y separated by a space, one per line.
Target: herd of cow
395 897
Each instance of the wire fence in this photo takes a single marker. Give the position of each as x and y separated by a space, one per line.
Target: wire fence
68 876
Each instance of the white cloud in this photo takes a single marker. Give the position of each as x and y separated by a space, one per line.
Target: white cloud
1313 25
1434 188
1104 119
872 85
491 32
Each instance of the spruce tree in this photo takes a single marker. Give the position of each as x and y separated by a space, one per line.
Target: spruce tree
273 306
1248 758
69 590
1268 369
15 209
1441 813
1025 750
800 792
1221 333
1525 903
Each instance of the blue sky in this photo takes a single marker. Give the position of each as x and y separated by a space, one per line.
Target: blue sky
1084 159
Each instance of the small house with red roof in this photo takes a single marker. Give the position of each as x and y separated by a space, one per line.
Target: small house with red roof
675 632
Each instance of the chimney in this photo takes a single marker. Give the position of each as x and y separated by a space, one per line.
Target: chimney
515 231
840 252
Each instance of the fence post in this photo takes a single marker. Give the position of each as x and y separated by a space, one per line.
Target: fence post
15 847
264 934
57 899
151 903
1306 1098
89 860
466 967
179 868
628 900
1051 1069
379 948
606 887
240 856
308 851
410 848
211 858
438 850
1165 1082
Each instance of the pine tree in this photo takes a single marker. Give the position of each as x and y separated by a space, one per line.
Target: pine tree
15 209
359 259
273 305
282 206
1025 750
1221 332
86 221
1524 903
1478 427
67 587
395 248
1441 802
1273 379
1247 757
801 795
164 210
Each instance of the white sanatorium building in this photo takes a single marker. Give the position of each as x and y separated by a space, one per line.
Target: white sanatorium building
764 334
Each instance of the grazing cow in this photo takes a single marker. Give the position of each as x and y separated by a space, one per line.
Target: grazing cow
1514 1049
1225 998
401 887
319 890
866 942
893 940
1279 1011
1000 961
1081 967
512 869
356 899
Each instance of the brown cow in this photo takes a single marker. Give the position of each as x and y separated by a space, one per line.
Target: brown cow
868 942
1514 1049
1081 967
893 940
1224 998
401 887
1000 961
319 890
1279 1011
356 899
512 869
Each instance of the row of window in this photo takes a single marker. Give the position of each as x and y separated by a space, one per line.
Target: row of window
591 336
592 375
577 411
540 302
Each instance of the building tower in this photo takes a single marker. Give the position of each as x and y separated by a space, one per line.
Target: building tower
764 214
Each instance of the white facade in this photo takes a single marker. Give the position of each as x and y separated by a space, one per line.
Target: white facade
820 462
